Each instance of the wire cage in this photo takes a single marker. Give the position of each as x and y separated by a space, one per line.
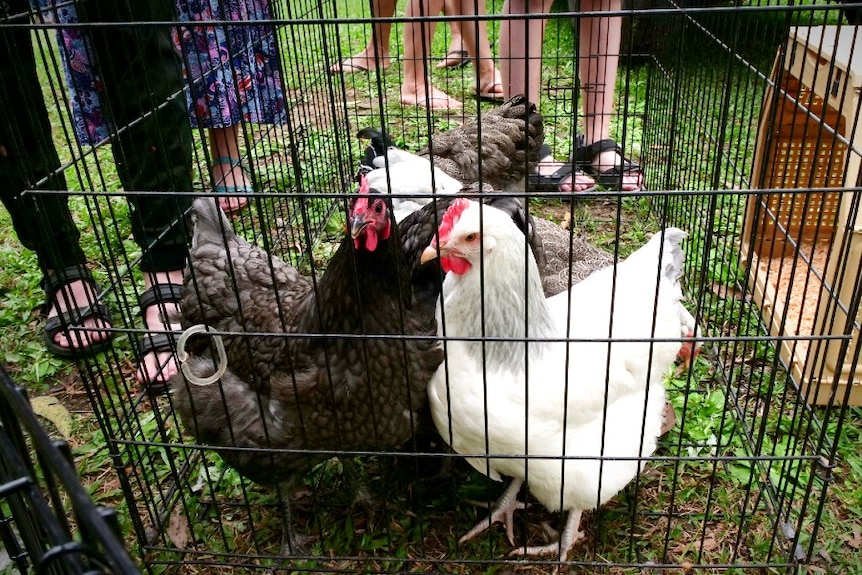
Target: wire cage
738 480
36 495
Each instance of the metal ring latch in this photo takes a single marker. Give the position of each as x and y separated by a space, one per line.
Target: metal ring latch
183 355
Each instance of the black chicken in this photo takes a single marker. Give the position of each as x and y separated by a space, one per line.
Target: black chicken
305 393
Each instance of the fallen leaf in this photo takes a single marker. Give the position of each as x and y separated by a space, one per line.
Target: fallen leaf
178 528
669 419
301 493
856 541
51 409
709 544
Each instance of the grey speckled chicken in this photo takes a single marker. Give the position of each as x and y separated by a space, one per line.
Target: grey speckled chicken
558 246
510 135
324 393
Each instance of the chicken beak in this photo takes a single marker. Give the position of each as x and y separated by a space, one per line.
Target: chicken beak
357 224
431 251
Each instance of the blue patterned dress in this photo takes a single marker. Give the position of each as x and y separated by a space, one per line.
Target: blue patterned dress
232 74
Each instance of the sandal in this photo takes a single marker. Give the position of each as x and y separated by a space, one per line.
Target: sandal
354 64
491 91
161 294
612 177
225 189
454 59
537 182
73 318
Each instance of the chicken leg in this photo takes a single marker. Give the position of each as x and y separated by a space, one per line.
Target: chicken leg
292 543
503 510
564 544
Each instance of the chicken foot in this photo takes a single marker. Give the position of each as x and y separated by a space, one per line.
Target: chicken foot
502 511
292 544
564 544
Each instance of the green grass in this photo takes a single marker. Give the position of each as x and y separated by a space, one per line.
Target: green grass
684 511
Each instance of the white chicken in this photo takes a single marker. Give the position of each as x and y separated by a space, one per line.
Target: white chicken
411 179
590 409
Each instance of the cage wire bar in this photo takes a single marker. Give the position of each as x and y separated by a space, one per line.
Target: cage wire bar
41 494
739 483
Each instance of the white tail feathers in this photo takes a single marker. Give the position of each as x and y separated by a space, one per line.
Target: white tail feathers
666 245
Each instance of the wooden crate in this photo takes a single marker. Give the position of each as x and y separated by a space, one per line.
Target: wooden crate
804 247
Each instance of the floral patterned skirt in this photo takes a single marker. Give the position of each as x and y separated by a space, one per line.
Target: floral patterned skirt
232 72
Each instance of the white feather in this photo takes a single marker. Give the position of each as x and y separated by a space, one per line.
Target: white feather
554 398
409 175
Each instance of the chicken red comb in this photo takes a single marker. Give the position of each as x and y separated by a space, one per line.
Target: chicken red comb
451 216
363 184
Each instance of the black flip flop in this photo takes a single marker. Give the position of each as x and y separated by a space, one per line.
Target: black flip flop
463 59
612 177
353 67
537 182
161 294
73 318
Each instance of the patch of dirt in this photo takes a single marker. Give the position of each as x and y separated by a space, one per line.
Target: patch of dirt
71 394
598 219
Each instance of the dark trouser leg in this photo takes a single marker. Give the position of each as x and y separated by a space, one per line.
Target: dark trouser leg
141 74
27 157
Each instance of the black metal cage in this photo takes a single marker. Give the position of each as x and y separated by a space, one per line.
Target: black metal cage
741 115
38 493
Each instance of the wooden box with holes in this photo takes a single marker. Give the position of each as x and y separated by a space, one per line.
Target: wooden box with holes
801 236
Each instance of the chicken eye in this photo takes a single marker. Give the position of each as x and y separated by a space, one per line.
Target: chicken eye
471 237
378 207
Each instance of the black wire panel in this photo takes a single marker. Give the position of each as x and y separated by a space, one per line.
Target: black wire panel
41 493
737 485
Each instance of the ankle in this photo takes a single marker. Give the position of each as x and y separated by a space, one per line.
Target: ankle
485 67
162 277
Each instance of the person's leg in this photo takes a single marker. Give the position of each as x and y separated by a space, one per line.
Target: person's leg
456 55
521 48
598 59
475 38
228 172
160 306
417 89
521 67
143 83
376 53
43 222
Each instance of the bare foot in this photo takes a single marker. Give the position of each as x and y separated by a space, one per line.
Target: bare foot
491 86
436 100
231 176
78 294
157 367
362 62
